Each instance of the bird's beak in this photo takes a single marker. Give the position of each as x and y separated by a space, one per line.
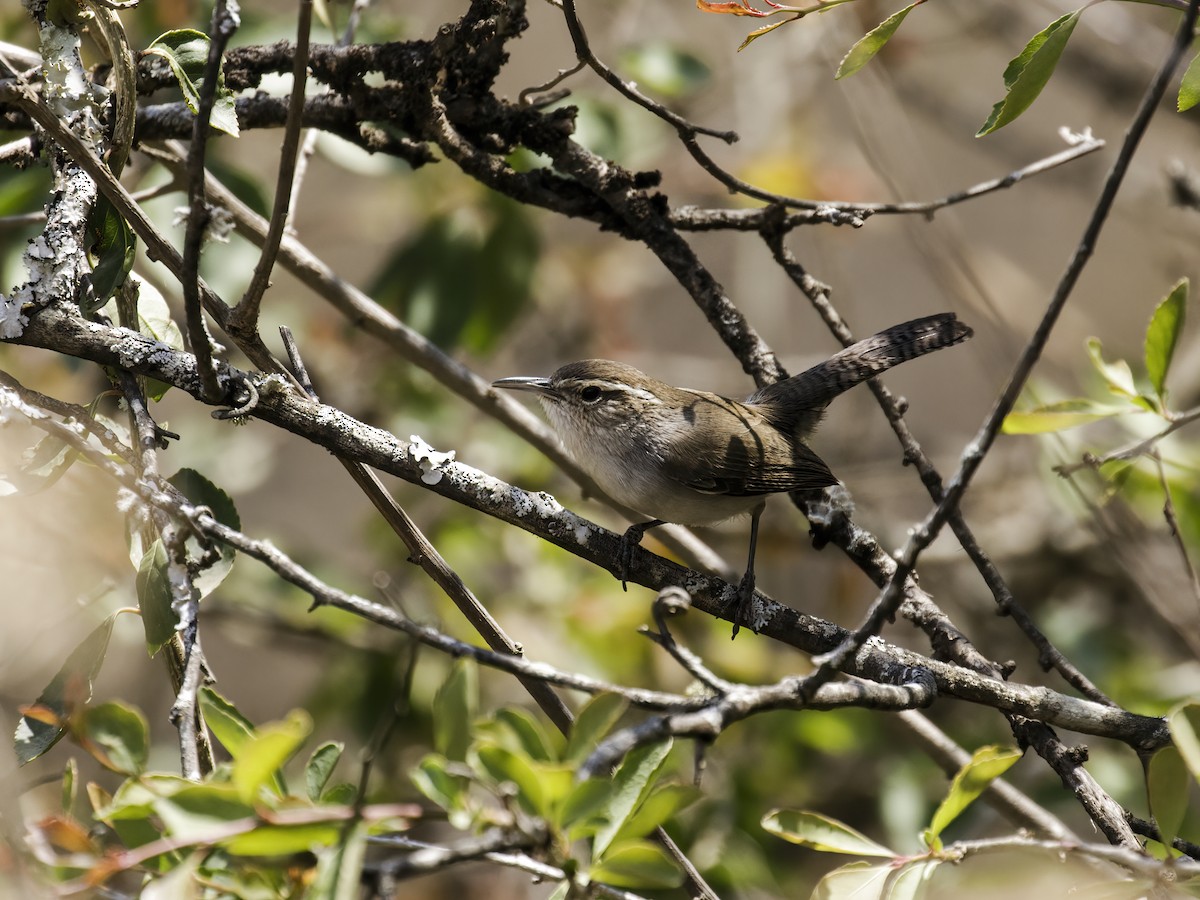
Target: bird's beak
526 383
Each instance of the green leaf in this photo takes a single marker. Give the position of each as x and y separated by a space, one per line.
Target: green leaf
1167 784
985 766
665 68
284 840
637 864
530 734
1189 87
225 721
1118 374
858 880
263 756
872 42
202 492
186 52
154 597
593 722
1059 416
433 780
540 787
339 868
1028 73
1162 336
454 708
47 462
579 811
196 811
663 802
114 247
1184 722
118 736
819 832
320 767
631 784
44 723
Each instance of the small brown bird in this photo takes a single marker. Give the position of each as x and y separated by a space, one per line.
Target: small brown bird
696 458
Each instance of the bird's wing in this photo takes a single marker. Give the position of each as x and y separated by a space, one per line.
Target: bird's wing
753 457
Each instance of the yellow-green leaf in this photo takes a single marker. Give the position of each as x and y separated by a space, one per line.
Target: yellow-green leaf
985 766
1167 784
1028 72
810 829
1058 416
872 42
1189 88
1163 335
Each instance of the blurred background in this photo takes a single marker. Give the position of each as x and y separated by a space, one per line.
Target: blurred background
511 290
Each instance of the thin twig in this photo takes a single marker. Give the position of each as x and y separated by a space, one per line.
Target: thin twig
244 318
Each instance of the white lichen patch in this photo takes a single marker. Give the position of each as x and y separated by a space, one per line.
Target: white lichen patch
583 533
430 460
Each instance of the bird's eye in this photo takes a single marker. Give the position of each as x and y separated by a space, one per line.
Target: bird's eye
590 394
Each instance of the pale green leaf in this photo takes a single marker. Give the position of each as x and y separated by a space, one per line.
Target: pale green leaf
454 708
593 722
1118 374
1184 722
263 755
1028 72
985 766
637 864
872 42
1162 336
1189 87
631 784
1167 784
1058 416
819 832
320 767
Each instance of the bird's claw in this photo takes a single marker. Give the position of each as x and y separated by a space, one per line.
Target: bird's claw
745 596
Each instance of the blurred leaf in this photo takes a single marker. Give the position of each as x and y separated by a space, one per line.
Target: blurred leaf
579 811
1059 416
637 864
154 598
1189 87
1118 375
196 811
339 867
537 744
284 840
433 780
227 724
186 51
1028 72
821 833
1167 784
1162 336
1184 722
872 42
454 708
665 68
985 766
202 492
263 756
118 736
245 185
70 785
320 767
45 463
540 787
593 722
631 784
114 247
728 8
660 805
43 724
463 283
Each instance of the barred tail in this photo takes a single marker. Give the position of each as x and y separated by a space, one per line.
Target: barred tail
812 390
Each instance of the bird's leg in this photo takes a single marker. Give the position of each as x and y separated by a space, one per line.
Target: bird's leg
745 590
630 539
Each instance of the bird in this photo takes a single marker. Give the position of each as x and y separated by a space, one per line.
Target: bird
692 457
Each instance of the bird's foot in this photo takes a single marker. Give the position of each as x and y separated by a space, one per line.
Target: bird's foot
745 596
629 541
